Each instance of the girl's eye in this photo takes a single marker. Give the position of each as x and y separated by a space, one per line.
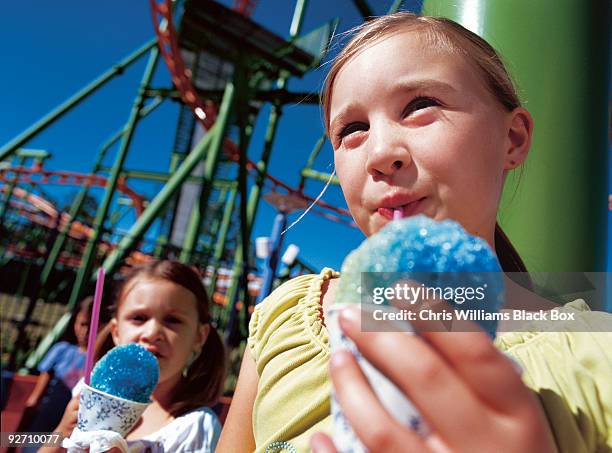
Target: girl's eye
137 318
418 103
351 128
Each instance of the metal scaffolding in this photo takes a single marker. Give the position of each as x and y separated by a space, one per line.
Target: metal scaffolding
224 68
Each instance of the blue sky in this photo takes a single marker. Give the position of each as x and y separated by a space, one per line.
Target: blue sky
58 47
52 49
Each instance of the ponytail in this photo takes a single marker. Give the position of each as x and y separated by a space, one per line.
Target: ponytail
509 259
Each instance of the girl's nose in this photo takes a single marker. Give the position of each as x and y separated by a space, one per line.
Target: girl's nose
151 332
388 151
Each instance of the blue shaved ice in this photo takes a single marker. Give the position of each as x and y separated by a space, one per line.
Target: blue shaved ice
437 254
129 371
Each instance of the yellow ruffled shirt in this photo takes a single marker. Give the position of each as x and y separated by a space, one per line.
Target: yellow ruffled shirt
571 372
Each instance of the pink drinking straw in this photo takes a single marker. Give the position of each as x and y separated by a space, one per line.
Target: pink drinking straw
397 214
93 326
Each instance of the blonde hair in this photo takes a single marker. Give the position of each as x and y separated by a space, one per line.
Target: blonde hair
446 36
441 33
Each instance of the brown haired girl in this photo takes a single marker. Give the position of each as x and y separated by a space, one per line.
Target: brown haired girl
163 306
423 118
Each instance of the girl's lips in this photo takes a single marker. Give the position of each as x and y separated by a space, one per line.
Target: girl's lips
155 352
408 210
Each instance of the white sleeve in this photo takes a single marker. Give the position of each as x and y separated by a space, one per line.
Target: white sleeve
195 432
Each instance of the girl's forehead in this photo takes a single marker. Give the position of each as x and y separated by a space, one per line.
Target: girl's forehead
158 293
404 51
403 57
82 314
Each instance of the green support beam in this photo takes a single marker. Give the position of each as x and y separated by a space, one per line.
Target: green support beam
77 203
319 176
364 8
156 102
212 160
90 250
221 238
159 176
276 96
255 193
52 116
22 155
253 202
37 154
559 54
395 6
10 186
157 205
298 19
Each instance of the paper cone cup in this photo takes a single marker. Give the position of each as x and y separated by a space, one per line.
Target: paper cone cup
102 411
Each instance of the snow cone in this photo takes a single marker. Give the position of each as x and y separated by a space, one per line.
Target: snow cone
431 253
120 390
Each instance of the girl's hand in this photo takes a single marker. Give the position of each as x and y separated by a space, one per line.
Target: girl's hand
66 425
69 420
469 393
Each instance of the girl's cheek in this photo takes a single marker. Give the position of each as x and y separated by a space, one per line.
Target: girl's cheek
127 334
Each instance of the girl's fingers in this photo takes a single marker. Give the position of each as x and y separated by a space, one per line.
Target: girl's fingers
445 401
376 429
321 443
491 375
473 356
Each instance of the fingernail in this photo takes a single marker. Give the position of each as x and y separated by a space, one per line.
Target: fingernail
349 317
339 358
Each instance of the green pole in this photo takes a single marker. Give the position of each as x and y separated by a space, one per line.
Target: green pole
364 8
9 191
158 203
395 6
313 155
75 208
216 220
254 196
319 176
44 122
141 114
209 228
212 159
91 247
559 53
255 193
298 18
222 237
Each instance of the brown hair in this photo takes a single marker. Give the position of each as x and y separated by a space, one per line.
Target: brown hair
85 306
203 383
448 36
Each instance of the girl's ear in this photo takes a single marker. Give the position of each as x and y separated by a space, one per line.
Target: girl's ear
202 335
520 129
113 330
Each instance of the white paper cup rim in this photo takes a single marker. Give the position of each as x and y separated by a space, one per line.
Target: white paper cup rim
95 390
